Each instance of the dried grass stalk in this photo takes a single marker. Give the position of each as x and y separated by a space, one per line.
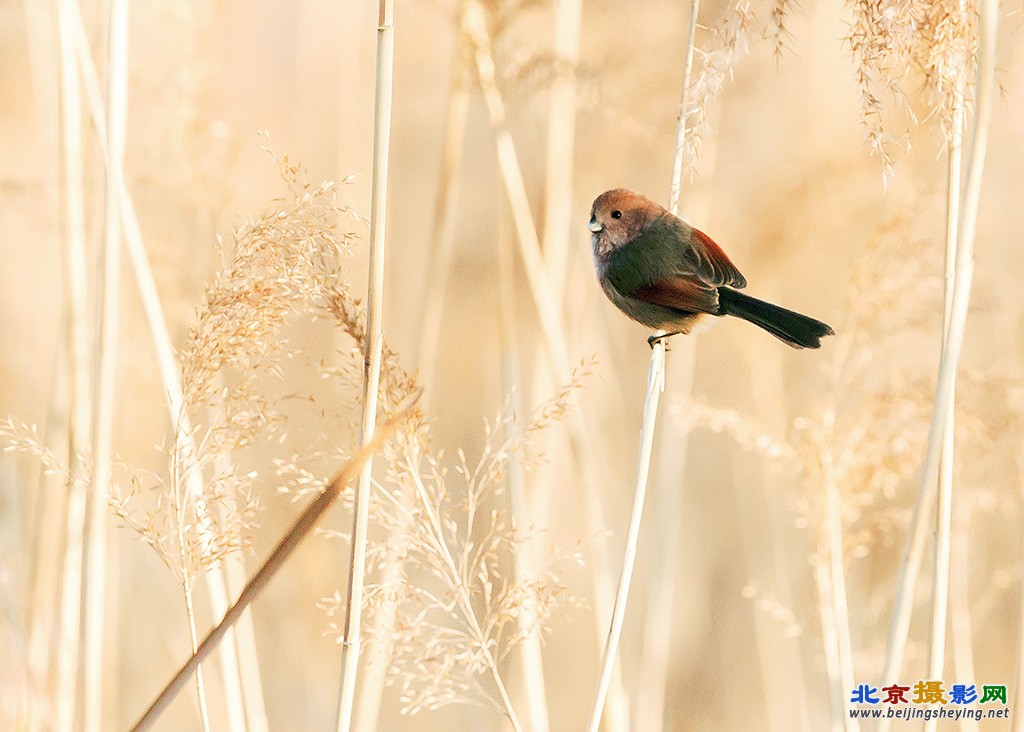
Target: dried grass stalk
859 449
79 437
372 355
48 507
943 536
964 272
548 307
531 659
295 535
561 135
453 614
655 385
442 238
167 362
282 263
94 614
659 619
474 24
555 242
460 614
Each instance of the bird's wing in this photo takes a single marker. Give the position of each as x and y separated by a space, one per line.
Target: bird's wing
703 257
715 267
688 294
697 264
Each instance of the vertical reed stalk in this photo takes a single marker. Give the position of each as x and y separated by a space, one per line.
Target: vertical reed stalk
839 608
616 713
655 661
914 549
167 363
531 658
561 135
655 385
193 636
106 366
548 308
684 102
783 673
50 490
555 241
49 536
960 599
352 641
943 534
254 712
549 312
442 238
243 688
830 642
72 168
442 244
375 670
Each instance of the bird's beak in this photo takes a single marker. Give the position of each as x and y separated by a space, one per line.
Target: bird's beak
594 226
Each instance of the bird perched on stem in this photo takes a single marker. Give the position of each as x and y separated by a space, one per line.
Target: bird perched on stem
662 272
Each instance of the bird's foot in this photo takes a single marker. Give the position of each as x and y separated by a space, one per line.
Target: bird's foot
664 336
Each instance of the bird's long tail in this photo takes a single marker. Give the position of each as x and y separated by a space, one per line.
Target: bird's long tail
798 331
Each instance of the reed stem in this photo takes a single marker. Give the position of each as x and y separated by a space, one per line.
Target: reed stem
79 437
290 541
106 368
910 566
655 385
351 639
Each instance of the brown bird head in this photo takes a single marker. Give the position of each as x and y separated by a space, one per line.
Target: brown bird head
618 216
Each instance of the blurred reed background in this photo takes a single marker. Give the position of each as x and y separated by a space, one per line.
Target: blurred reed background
783 482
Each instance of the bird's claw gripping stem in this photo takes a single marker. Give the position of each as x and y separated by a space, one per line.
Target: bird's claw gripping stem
651 340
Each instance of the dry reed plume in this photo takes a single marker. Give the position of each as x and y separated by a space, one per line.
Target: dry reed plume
456 599
283 265
899 47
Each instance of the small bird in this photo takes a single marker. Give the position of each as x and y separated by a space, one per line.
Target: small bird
662 272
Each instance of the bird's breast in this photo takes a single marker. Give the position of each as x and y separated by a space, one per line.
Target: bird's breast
601 246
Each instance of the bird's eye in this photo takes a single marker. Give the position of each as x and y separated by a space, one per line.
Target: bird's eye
616 214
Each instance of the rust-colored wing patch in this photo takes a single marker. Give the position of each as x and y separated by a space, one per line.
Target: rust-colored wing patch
714 266
688 294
